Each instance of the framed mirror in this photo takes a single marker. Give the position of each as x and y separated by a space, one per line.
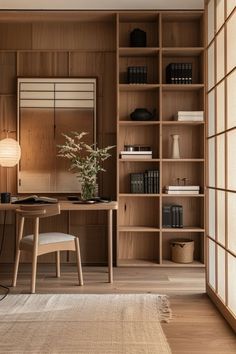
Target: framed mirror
46 109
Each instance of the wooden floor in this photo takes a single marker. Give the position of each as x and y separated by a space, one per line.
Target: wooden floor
196 327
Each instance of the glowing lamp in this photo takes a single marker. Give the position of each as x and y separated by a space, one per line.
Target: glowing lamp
10 152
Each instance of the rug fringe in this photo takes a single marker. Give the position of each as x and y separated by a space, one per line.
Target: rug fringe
164 310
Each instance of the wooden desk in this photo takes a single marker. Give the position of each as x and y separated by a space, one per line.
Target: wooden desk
67 206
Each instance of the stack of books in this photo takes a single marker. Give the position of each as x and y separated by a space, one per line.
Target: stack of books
137 75
179 73
189 116
136 155
182 190
146 182
172 216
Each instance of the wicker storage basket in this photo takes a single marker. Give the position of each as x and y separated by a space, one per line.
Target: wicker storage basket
182 251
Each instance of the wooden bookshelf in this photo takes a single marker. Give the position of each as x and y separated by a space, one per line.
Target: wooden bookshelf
171 37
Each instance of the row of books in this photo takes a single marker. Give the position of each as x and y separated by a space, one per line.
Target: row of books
182 190
136 155
186 116
146 182
137 75
179 73
172 216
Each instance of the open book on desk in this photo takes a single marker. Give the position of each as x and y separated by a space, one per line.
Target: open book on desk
35 199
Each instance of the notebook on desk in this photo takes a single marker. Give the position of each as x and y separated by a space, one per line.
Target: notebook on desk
35 199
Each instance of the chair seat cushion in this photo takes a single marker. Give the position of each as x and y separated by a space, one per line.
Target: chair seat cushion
48 238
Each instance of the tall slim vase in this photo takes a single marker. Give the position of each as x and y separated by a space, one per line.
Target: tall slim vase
175 154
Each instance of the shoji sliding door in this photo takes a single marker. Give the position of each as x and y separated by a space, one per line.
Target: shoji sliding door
221 142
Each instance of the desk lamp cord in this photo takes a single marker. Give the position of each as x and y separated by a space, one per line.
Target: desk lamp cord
1 248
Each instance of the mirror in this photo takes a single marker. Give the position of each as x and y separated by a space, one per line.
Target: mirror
46 108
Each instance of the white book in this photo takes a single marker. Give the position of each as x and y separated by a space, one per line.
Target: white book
182 192
190 113
182 188
136 152
189 119
136 156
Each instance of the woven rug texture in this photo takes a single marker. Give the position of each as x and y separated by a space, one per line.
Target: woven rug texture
84 324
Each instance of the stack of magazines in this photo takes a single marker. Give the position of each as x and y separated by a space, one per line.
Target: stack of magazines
189 116
182 190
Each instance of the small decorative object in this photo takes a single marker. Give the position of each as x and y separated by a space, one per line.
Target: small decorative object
175 147
140 114
6 197
138 38
86 161
182 251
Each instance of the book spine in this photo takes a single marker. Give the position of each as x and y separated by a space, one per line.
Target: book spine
166 216
173 216
180 216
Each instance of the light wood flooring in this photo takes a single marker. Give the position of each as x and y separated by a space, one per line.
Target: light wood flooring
196 327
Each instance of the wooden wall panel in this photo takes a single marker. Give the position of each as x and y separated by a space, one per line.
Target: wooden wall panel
7 72
74 35
43 64
15 36
65 49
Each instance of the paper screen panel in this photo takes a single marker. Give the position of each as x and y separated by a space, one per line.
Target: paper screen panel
232 222
221 272
221 217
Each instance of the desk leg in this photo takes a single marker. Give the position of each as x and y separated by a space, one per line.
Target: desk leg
110 270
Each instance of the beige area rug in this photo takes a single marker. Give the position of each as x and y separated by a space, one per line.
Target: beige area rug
85 324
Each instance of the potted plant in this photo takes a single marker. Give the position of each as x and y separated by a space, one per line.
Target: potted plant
85 161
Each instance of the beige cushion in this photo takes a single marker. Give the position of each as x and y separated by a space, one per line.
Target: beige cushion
49 237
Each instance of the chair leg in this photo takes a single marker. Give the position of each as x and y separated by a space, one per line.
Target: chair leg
16 267
58 270
79 266
34 270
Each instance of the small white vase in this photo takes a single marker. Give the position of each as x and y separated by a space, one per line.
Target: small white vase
175 147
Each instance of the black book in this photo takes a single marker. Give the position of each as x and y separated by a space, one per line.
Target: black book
166 216
145 74
173 216
180 216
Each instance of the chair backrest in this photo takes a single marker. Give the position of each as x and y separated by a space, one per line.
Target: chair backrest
38 211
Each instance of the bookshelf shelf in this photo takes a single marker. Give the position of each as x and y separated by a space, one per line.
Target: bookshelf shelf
183 87
145 51
172 37
184 229
138 229
138 123
138 87
139 160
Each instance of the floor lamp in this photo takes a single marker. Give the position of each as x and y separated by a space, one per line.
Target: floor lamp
10 153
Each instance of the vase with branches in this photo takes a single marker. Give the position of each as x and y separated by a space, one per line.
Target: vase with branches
85 161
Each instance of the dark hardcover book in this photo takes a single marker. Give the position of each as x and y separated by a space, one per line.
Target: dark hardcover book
166 216
141 183
179 72
170 73
189 73
156 182
182 73
173 216
133 183
180 215
145 74
146 182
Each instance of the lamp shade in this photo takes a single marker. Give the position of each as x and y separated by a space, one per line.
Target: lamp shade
10 152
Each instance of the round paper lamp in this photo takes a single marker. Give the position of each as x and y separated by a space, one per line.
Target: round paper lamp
10 152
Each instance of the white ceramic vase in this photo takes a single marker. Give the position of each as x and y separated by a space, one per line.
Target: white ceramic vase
175 154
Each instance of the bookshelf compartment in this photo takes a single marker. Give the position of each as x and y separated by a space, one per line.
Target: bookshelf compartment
139 211
197 237
183 29
191 141
140 135
133 167
138 248
193 209
146 22
131 100
193 171
174 101
150 62
197 65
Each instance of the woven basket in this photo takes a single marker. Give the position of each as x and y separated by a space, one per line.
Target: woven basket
182 251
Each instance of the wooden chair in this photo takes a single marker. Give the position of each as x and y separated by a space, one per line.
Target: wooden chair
41 243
